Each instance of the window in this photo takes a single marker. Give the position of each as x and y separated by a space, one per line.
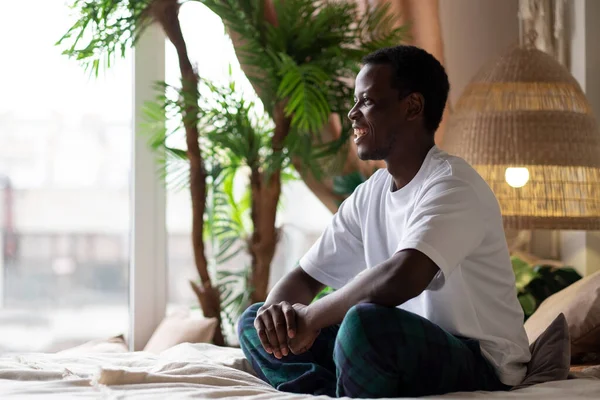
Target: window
66 213
65 144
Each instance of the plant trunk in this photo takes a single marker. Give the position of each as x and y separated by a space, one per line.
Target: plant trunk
322 189
266 190
265 196
166 13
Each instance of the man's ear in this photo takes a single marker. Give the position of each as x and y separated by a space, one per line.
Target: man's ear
415 105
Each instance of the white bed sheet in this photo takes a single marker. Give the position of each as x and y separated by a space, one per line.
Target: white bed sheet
189 371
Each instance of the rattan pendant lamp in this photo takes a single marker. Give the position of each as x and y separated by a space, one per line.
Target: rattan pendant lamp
526 126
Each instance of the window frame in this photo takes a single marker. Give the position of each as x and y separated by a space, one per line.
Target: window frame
148 256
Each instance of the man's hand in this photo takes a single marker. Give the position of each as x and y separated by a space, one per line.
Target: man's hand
305 335
276 324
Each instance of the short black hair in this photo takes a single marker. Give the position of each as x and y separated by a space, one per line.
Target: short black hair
415 70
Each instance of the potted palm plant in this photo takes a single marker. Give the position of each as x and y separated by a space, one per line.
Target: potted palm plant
300 63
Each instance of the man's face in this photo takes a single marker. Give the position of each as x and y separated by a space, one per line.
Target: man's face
378 114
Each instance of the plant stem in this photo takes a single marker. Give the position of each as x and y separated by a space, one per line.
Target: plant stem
166 13
266 190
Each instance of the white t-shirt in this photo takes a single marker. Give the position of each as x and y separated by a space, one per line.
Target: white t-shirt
450 214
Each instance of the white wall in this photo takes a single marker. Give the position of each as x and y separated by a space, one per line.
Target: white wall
585 58
474 32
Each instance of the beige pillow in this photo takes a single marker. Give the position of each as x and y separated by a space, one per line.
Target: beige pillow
181 328
550 355
115 344
580 303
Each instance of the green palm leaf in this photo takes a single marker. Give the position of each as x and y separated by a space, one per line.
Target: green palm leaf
302 86
346 184
105 30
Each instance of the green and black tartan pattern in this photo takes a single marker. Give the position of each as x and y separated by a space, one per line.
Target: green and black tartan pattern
375 352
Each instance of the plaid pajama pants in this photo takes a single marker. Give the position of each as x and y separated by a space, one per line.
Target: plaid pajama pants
375 352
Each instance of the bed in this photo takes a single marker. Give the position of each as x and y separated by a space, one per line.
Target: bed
563 331
195 371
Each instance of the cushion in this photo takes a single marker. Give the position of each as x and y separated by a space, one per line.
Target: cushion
115 344
580 303
550 355
181 327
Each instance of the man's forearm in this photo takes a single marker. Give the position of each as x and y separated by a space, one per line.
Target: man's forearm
295 287
395 281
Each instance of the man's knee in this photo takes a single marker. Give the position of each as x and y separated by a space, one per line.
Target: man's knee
246 321
366 319
369 333
252 311
363 310
356 325
364 313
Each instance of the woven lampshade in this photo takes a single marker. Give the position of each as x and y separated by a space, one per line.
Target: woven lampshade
525 120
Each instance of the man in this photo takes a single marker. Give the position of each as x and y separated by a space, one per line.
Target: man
425 301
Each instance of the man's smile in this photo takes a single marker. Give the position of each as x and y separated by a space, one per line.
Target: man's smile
359 133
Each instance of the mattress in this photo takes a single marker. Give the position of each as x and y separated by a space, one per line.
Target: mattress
193 371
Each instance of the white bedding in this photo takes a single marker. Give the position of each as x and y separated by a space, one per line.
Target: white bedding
188 371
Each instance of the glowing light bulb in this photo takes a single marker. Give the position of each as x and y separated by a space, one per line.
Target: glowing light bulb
517 177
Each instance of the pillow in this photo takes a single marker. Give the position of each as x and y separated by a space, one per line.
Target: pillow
580 303
115 344
550 355
181 328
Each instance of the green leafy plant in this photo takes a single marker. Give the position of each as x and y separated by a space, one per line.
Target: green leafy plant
300 61
345 185
233 133
299 55
326 291
234 293
535 284
105 30
227 227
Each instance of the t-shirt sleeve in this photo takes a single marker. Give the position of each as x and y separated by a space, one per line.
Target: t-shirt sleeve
447 225
338 255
